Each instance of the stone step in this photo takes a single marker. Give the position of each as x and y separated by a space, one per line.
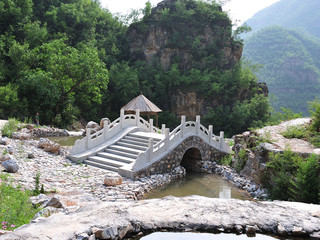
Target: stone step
98 165
145 140
125 149
132 146
133 156
107 161
115 157
138 143
146 135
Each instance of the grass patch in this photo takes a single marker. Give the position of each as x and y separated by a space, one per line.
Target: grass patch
10 127
298 131
15 209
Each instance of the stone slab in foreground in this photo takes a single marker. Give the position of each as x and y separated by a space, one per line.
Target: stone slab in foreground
192 213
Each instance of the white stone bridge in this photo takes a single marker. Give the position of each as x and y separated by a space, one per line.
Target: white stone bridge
134 147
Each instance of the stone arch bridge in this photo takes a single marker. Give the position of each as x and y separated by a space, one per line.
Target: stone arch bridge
134 147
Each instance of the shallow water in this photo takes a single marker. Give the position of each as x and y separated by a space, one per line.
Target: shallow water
63 141
207 185
206 236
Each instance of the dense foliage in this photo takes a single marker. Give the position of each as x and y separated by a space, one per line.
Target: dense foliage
70 60
294 178
290 66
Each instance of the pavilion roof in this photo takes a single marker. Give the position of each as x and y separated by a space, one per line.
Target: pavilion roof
143 104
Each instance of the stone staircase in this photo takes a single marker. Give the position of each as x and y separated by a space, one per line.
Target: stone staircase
123 152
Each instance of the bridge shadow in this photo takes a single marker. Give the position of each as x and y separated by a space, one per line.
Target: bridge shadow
191 159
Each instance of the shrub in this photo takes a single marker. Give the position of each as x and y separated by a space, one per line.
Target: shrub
294 178
226 160
299 131
10 127
315 114
241 160
306 185
15 208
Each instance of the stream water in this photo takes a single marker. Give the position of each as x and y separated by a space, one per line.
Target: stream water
63 141
207 185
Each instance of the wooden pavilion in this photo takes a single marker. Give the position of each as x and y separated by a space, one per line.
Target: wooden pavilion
144 105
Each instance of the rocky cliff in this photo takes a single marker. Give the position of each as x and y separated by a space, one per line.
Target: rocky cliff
175 32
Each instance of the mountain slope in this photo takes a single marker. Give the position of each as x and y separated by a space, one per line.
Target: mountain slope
291 66
293 14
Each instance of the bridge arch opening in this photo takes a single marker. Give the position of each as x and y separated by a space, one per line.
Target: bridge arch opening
190 159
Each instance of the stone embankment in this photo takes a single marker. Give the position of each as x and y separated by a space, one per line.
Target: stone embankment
194 213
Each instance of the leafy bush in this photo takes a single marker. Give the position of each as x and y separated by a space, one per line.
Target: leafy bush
315 140
299 131
315 114
241 160
306 184
294 178
226 160
15 208
10 127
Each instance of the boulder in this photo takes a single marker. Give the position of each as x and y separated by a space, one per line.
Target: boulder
4 157
30 155
21 135
112 180
39 200
55 202
49 146
4 141
93 126
102 122
10 165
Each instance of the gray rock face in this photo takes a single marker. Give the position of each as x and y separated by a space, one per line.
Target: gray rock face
195 213
10 165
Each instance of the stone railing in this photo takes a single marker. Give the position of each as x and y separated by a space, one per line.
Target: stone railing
110 130
171 140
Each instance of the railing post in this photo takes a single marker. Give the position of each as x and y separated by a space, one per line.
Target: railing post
183 121
221 139
121 118
163 129
87 137
105 129
197 124
150 146
210 133
151 124
166 137
137 117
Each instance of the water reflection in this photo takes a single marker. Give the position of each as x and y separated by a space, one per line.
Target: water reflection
207 236
207 185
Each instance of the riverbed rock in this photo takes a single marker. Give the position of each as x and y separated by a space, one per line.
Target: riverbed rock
49 146
21 135
177 214
4 157
10 165
112 180
4 141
